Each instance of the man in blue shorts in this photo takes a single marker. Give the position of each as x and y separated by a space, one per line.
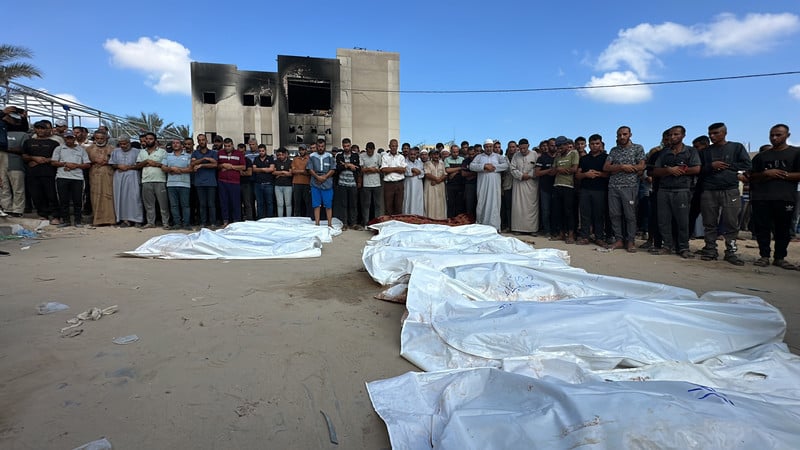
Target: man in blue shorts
321 166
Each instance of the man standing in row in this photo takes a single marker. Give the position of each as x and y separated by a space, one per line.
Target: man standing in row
675 167
624 163
322 166
393 168
773 183
371 189
71 160
489 166
154 180
524 190
722 162
594 192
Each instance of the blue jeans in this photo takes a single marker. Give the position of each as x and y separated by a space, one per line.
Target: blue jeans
283 197
265 195
207 201
230 202
179 205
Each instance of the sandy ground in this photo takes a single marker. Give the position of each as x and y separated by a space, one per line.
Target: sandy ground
237 354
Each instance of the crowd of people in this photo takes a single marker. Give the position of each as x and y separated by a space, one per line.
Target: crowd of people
557 188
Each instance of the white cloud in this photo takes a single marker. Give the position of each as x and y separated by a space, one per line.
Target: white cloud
165 62
794 91
636 50
622 94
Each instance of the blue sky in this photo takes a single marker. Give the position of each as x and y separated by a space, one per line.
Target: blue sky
129 59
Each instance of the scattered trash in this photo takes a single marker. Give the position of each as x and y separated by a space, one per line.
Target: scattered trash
51 307
331 430
125 339
25 233
72 333
4 253
89 314
603 249
44 279
395 294
27 247
100 444
246 408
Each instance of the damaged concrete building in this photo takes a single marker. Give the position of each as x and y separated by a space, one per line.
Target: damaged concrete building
354 95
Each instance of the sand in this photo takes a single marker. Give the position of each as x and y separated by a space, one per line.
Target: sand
238 354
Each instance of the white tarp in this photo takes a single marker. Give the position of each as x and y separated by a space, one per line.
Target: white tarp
279 237
490 409
606 362
387 256
452 324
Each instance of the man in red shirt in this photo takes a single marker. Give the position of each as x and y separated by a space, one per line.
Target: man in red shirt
231 162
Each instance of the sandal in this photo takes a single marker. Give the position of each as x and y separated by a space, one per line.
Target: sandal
784 264
761 262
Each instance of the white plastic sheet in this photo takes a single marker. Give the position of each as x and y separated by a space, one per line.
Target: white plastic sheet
280 237
550 356
491 409
388 255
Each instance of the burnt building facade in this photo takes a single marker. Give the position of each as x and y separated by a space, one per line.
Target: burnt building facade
354 95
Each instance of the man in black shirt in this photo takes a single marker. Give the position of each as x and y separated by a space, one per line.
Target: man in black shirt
773 186
543 165
37 154
721 163
594 192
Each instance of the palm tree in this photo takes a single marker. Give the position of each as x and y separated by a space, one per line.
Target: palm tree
11 69
149 122
183 131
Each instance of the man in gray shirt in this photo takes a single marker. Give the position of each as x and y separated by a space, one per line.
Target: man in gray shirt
371 190
624 163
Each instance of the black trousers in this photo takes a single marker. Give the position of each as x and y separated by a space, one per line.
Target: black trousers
563 210
43 195
455 199
593 206
70 191
773 218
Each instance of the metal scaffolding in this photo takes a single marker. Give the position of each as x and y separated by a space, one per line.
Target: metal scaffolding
42 105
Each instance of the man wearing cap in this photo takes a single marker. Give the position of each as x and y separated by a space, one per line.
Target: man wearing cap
154 180
127 193
624 163
101 180
393 168
301 187
524 190
371 190
413 201
489 167
70 160
565 165
12 168
720 200
58 131
37 153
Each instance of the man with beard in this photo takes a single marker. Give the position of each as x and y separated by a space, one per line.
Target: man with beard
37 153
393 168
154 180
413 201
101 180
470 180
283 182
546 179
230 167
720 199
177 167
455 182
525 190
127 196
322 166
507 184
204 166
624 163
301 187
489 167
594 192
371 190
348 167
565 165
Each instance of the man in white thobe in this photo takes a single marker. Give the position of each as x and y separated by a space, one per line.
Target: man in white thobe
489 166
413 200
525 190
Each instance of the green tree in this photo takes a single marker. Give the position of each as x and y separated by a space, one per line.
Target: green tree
183 131
10 68
149 122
